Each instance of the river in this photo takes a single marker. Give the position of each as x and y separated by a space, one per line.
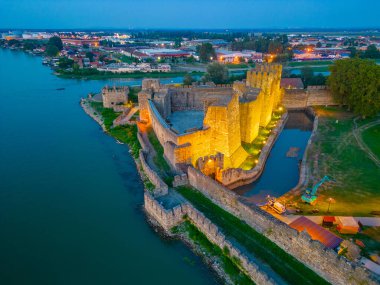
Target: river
70 197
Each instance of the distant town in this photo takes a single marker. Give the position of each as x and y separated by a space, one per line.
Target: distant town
94 54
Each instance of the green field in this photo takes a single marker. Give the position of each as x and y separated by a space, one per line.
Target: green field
310 63
126 134
335 152
286 266
162 165
371 137
229 264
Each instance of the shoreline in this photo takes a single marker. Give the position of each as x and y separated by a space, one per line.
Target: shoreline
209 261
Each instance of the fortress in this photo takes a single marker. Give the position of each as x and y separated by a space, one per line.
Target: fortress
115 97
205 125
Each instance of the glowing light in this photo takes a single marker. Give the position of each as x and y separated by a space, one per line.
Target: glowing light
256 161
280 108
211 58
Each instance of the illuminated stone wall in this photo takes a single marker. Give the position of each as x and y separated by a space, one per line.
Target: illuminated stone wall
232 114
114 96
267 78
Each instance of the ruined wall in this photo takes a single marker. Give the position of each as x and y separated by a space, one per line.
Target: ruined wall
170 218
162 102
166 218
326 262
197 97
143 98
114 96
312 96
319 96
161 187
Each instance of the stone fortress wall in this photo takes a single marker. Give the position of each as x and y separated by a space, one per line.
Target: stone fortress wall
115 97
232 115
161 188
312 96
326 262
172 217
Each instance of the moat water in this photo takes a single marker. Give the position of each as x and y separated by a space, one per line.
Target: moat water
281 172
70 197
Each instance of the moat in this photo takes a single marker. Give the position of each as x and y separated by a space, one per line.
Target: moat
281 172
71 198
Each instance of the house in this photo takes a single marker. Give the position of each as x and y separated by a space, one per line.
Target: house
316 232
347 225
292 83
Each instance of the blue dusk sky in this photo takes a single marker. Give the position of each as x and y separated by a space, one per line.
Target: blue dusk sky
196 14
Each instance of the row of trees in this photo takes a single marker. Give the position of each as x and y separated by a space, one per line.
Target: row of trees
54 46
370 52
356 83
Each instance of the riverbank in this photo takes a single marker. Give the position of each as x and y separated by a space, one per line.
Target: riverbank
212 256
136 75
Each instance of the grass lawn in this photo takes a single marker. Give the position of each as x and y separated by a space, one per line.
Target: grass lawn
256 244
229 265
159 160
371 137
126 134
336 153
308 63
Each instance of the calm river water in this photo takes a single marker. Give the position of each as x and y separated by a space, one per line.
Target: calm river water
70 197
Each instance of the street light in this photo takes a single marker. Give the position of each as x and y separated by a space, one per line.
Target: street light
330 200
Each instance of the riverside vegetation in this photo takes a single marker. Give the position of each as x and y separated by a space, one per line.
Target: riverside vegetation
289 268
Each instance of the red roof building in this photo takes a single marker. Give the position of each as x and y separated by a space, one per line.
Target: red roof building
316 232
292 83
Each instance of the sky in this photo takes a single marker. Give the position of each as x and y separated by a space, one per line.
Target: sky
188 14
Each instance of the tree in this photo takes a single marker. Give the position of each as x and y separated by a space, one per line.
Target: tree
190 59
372 52
90 56
307 75
217 73
56 41
65 62
28 45
177 42
356 83
51 50
14 42
206 52
353 51
188 79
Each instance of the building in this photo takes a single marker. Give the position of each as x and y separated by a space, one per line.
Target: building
164 53
316 232
115 97
238 56
347 225
292 83
205 125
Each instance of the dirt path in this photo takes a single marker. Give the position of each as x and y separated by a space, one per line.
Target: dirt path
357 132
